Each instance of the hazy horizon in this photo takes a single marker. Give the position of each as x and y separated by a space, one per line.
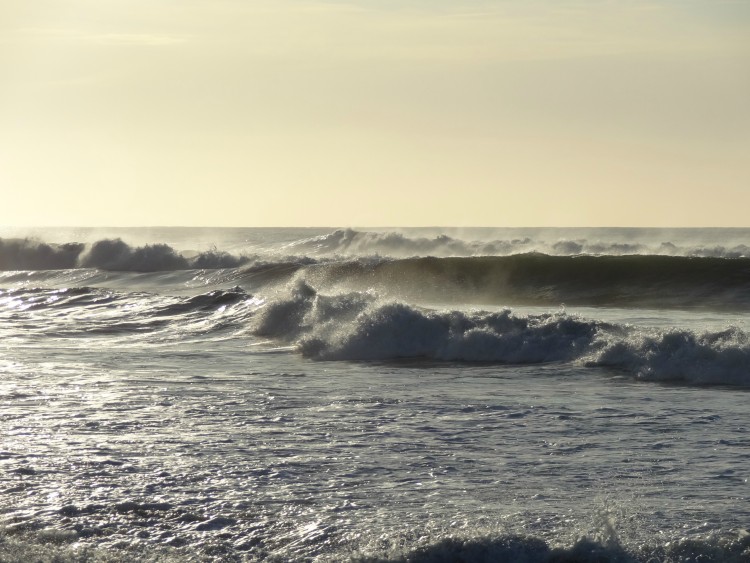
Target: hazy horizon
297 113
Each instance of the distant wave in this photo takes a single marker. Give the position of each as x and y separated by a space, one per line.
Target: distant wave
28 254
350 242
361 326
655 281
346 244
107 254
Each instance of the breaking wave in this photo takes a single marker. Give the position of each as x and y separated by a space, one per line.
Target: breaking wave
107 254
350 242
115 254
27 254
362 326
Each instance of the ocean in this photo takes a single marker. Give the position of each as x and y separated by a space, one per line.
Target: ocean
375 395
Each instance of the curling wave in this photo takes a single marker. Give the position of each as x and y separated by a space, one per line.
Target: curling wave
618 281
361 326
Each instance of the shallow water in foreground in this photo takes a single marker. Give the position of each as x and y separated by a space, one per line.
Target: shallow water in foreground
214 452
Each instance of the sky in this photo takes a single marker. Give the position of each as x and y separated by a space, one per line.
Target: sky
375 113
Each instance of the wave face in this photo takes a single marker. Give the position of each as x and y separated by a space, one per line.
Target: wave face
624 281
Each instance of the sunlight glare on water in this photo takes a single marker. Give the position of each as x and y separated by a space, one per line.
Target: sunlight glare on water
188 423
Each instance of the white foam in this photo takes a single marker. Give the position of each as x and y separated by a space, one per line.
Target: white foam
709 357
361 326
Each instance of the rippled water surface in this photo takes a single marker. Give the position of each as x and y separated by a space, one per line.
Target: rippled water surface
214 450
193 415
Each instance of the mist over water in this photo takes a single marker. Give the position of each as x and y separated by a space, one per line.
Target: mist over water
374 395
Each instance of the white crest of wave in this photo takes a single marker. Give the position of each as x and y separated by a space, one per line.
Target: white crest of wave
363 326
505 242
721 357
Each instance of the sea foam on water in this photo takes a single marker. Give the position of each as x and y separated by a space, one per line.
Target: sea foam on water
391 395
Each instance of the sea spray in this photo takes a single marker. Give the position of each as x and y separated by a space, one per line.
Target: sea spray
368 401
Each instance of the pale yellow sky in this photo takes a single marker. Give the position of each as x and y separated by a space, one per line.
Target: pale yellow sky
375 112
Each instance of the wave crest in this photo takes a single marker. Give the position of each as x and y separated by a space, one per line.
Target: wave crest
398 244
115 254
721 357
108 254
362 326
29 254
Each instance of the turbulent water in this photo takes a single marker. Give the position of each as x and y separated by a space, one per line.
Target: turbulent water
422 395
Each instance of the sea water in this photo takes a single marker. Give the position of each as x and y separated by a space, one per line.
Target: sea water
385 395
